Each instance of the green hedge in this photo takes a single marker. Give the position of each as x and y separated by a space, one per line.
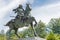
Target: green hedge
52 36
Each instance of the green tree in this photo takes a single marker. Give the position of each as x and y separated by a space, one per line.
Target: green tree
54 25
41 29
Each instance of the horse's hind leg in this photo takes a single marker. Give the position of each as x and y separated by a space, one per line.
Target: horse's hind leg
35 23
16 33
33 29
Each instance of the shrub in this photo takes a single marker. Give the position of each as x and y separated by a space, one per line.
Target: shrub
51 36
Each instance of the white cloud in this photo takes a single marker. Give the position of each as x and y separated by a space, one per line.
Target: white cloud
4 2
31 1
10 6
45 13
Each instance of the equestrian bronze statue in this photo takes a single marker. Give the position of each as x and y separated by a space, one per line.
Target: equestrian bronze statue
23 18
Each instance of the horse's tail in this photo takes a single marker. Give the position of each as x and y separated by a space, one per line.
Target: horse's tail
7 24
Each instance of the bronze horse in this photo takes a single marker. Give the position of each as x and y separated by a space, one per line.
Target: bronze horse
16 23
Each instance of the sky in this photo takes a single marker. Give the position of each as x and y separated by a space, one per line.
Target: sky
41 9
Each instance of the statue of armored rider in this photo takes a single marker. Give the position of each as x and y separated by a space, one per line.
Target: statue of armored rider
20 12
24 14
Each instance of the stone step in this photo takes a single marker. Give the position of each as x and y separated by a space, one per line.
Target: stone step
31 38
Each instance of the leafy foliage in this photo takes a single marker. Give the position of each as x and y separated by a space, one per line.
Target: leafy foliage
2 35
54 25
58 35
27 32
51 36
40 29
11 35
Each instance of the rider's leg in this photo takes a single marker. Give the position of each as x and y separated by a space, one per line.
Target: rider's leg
22 19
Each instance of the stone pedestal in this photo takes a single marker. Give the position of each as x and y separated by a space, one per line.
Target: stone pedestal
31 38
